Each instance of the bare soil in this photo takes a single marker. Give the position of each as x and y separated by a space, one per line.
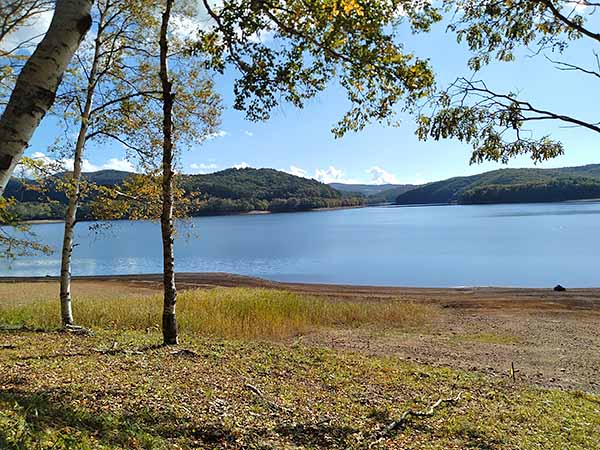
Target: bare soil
551 339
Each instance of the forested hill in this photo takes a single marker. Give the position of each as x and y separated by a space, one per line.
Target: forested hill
511 186
242 190
225 192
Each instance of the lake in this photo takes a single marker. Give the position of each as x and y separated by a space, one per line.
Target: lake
532 245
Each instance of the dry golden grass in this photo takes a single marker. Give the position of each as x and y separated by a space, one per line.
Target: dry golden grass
25 293
248 313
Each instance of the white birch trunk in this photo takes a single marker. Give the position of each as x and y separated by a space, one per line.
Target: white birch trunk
74 192
37 83
169 320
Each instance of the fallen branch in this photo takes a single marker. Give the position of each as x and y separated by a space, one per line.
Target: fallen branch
397 424
184 352
76 329
254 389
268 403
12 327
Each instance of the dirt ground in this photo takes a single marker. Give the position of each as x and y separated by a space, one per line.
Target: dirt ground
551 338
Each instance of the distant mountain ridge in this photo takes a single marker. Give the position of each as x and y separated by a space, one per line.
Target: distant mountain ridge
225 192
511 186
374 193
364 189
244 190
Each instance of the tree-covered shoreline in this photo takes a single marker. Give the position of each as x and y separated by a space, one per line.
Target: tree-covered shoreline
231 191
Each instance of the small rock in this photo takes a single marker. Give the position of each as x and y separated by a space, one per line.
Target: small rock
559 288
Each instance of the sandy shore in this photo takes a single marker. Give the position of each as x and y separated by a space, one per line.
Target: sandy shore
464 297
41 221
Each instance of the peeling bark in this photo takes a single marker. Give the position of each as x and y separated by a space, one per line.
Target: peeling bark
169 320
37 83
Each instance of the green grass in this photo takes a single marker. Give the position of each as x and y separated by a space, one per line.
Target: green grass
118 390
60 391
222 312
488 338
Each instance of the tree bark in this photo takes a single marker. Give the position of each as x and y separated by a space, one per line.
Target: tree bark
37 83
169 320
74 192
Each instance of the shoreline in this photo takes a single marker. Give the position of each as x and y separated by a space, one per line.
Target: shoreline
233 213
41 221
337 208
495 298
549 336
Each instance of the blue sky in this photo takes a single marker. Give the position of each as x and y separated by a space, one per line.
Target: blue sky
300 141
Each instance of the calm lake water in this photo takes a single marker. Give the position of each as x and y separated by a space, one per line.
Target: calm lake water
537 245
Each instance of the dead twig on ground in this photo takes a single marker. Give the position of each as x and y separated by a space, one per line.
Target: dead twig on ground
397 424
76 329
268 403
185 353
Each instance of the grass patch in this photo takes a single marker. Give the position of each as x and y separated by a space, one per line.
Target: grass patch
60 391
118 390
26 293
247 313
488 338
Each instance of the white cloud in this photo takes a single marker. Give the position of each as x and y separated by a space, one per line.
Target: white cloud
329 175
190 17
580 6
193 16
418 179
261 37
87 165
30 34
248 133
42 157
242 165
297 171
381 176
203 168
119 164
216 134
184 27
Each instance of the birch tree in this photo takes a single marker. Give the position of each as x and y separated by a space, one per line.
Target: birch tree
169 320
102 80
35 88
17 19
188 115
185 112
319 42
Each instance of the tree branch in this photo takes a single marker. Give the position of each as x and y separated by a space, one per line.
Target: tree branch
569 22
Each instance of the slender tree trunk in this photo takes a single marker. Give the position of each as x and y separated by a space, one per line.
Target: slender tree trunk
37 83
169 320
74 192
